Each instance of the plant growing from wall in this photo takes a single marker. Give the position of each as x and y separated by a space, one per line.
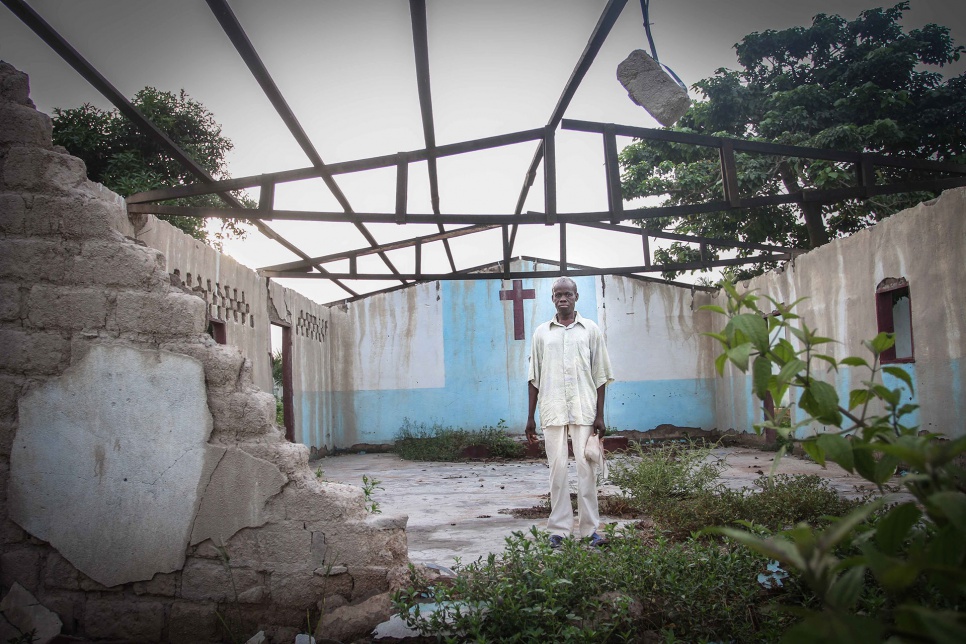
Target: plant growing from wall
912 552
369 487
231 624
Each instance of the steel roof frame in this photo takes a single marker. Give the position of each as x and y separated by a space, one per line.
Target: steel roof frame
233 29
70 55
508 223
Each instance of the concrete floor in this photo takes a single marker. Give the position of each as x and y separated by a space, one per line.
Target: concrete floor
454 508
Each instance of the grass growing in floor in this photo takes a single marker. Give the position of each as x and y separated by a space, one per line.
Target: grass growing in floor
420 442
634 590
677 485
660 584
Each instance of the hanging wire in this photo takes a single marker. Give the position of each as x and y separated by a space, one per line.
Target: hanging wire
645 6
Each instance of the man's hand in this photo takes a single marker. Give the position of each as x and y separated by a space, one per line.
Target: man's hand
599 428
531 431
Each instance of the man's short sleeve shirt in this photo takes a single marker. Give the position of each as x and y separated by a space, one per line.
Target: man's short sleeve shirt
567 365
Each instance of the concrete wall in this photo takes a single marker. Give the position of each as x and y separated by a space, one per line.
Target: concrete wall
308 324
234 294
664 367
133 447
926 245
447 353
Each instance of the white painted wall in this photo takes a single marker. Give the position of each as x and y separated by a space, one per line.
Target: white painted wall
655 329
235 293
394 339
926 245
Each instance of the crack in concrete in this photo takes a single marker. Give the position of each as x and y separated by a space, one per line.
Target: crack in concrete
202 490
175 462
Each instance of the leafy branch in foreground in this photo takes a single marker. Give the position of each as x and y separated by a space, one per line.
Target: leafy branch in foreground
914 550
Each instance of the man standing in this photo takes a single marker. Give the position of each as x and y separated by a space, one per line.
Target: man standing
569 369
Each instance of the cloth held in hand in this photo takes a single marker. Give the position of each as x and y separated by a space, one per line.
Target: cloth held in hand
594 453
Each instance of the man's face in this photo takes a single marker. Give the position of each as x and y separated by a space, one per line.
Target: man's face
565 298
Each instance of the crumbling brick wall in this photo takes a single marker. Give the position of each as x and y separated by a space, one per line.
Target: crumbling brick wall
79 298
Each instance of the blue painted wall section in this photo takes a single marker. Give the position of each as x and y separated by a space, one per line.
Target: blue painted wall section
844 379
486 375
890 381
645 405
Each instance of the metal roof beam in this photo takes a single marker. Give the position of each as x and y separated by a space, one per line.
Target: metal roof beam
417 13
607 20
80 64
823 196
762 147
570 272
233 29
640 278
697 239
343 167
398 245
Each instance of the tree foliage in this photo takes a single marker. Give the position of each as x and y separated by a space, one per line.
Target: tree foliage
865 86
126 160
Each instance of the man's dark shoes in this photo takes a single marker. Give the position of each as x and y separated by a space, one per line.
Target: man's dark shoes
556 541
595 540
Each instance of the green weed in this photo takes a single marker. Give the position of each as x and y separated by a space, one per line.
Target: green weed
232 624
419 442
890 570
635 590
677 485
369 486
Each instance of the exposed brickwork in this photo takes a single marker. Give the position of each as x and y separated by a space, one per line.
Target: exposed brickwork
70 280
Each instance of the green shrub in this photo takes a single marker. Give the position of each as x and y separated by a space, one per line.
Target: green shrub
673 483
880 572
417 442
664 474
783 501
632 591
677 485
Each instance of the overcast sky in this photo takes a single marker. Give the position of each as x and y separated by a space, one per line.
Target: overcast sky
346 69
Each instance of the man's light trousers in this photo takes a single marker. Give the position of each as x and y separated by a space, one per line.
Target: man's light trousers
561 519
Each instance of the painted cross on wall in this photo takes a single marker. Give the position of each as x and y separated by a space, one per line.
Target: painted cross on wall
517 294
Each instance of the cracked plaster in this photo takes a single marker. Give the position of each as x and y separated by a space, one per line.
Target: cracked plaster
111 460
224 509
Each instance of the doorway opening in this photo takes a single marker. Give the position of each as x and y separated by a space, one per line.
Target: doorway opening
282 378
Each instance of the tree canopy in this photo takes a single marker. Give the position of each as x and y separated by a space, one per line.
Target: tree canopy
127 161
864 85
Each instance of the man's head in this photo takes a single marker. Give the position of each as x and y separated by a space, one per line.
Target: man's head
564 295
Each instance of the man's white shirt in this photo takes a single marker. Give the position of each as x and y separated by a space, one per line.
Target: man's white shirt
567 365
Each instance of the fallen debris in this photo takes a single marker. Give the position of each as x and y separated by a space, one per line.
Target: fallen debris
649 86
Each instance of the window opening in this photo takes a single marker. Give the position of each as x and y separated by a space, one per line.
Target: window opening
894 315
